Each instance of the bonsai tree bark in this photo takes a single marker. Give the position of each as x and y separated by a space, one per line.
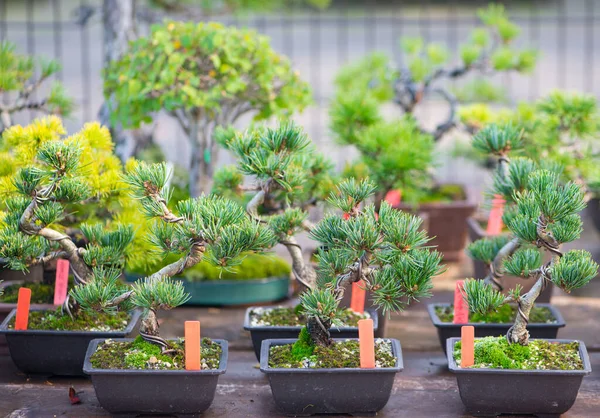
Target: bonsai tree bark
206 76
289 177
544 215
385 251
19 85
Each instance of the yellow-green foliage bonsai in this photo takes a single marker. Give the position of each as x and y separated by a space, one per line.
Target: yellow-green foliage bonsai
543 212
206 75
21 79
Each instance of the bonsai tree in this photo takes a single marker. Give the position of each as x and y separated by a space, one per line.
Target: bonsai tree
490 49
31 231
543 214
205 75
21 79
386 252
289 177
561 128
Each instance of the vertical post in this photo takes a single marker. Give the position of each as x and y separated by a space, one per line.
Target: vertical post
23 303
467 342
192 345
461 309
494 226
357 301
61 283
366 338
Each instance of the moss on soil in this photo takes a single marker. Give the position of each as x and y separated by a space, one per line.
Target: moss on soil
341 354
142 355
253 266
83 321
506 314
40 292
293 316
445 193
497 353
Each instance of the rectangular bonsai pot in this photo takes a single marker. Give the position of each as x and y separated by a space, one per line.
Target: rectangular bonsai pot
536 330
305 392
165 392
259 333
55 352
501 391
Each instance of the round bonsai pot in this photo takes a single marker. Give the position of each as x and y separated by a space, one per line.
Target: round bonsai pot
165 392
447 223
305 392
448 330
480 270
500 391
259 333
59 353
232 292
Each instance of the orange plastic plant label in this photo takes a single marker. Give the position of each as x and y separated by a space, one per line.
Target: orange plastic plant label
192 345
61 283
366 337
494 226
23 302
357 301
393 197
467 343
461 309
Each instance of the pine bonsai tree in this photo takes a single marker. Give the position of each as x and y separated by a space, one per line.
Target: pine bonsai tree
206 75
289 177
543 213
21 80
56 177
386 251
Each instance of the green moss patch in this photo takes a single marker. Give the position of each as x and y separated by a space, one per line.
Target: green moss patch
40 293
142 355
497 353
444 193
293 316
341 354
253 266
83 321
506 314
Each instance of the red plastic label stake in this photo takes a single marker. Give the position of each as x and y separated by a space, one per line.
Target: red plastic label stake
393 197
192 345
494 226
461 309
357 301
467 342
366 338
23 301
62 281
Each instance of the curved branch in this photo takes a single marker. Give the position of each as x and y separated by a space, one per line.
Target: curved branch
495 268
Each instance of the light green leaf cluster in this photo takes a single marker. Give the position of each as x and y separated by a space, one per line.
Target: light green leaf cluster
481 297
202 68
159 293
575 269
523 262
486 249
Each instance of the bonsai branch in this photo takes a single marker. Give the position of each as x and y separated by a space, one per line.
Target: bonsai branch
495 273
357 271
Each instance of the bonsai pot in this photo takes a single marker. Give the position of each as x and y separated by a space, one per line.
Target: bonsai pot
594 211
233 292
448 330
55 352
480 270
172 392
259 333
447 224
500 391
305 392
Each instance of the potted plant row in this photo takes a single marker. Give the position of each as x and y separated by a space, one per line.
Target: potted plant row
514 373
511 179
386 253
